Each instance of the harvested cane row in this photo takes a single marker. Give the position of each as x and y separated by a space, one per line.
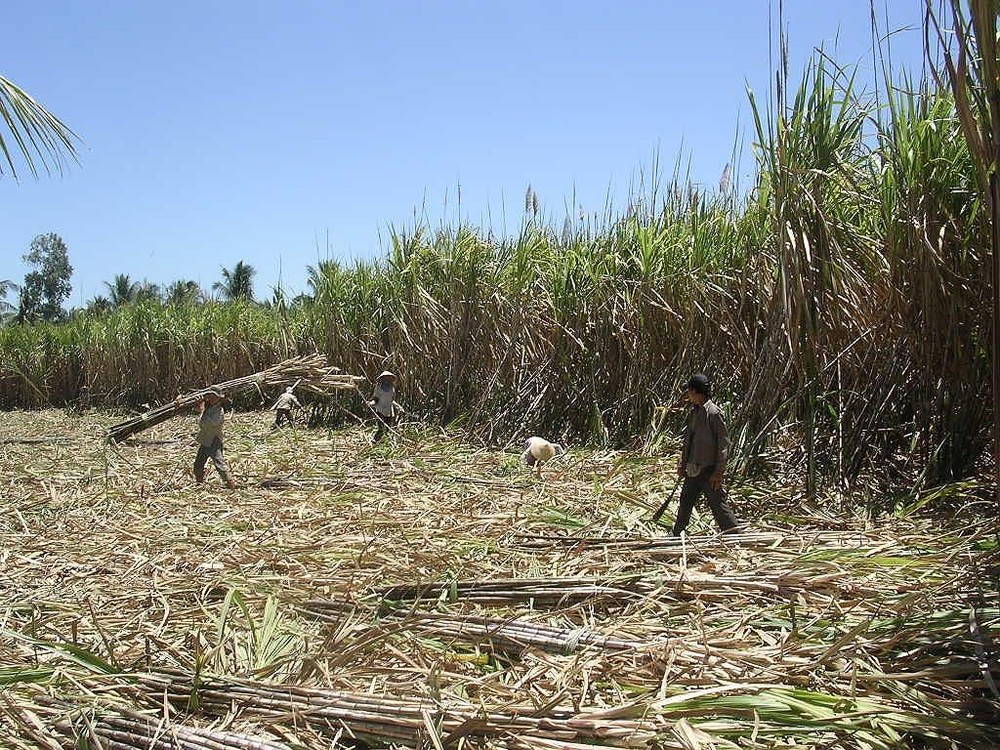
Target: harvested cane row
130 730
509 635
426 593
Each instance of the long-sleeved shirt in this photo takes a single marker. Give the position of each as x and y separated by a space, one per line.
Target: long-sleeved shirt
210 424
706 440
383 398
286 401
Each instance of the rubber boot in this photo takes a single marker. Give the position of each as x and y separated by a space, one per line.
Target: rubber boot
199 476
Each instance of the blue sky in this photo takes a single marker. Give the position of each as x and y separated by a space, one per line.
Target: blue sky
281 133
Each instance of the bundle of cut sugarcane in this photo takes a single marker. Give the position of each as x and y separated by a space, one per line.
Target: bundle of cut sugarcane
93 726
309 373
504 634
391 720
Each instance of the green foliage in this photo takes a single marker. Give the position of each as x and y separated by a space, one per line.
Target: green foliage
19 675
237 283
121 290
7 309
554 516
183 292
48 286
252 645
41 138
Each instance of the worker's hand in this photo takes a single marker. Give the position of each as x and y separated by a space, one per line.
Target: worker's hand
716 480
178 401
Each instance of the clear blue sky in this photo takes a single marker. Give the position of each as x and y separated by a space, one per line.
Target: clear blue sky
216 131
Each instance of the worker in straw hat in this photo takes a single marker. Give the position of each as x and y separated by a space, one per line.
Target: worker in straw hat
538 450
383 402
704 454
283 408
211 418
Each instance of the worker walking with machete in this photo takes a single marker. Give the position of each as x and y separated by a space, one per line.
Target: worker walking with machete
704 455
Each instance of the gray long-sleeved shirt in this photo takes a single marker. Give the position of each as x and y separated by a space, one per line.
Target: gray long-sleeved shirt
706 441
210 424
383 400
286 401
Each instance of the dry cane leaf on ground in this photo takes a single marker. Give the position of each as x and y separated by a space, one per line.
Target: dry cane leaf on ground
422 592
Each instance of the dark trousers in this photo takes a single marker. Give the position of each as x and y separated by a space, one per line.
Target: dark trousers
282 416
214 452
383 424
695 487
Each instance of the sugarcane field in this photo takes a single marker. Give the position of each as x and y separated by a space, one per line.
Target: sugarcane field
706 468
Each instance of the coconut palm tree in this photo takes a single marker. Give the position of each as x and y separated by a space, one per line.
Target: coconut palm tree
236 283
122 290
7 310
147 291
324 278
42 139
98 305
183 291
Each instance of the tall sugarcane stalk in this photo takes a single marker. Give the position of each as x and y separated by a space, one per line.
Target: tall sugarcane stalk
972 70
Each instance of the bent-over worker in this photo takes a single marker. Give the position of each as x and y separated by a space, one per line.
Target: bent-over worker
283 408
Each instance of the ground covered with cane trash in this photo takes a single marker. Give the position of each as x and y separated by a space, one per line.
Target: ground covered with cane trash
425 592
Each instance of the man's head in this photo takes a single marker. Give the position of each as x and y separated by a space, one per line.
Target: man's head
385 377
289 389
213 395
698 388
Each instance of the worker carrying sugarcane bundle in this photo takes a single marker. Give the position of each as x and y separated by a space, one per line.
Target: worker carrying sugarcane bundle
211 418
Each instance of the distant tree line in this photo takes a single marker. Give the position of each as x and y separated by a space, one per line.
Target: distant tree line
45 288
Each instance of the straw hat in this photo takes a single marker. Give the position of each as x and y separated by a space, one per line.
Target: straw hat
538 450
